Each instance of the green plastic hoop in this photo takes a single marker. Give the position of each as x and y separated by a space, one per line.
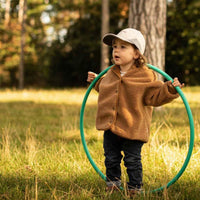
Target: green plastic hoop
190 117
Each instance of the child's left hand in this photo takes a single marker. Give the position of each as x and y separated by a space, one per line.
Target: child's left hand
177 83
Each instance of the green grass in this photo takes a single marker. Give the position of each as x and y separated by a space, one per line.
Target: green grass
42 157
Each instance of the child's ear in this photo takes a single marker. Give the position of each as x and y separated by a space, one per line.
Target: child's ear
136 54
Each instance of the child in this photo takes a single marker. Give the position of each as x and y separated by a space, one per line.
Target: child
127 94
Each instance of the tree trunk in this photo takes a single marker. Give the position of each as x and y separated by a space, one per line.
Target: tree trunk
150 18
7 13
104 30
21 16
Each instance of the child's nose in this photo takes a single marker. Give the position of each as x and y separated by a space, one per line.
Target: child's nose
116 49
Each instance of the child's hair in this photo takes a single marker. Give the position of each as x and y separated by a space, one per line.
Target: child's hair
141 61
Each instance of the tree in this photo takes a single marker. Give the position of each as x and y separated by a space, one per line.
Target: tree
8 43
80 51
104 29
22 10
63 39
7 13
150 18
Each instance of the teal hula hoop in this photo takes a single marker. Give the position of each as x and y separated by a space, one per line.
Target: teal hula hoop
190 117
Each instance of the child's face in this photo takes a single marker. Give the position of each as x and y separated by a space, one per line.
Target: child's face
123 53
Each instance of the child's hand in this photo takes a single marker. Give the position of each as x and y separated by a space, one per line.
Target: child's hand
177 83
91 76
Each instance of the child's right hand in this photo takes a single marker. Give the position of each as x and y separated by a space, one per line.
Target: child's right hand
91 76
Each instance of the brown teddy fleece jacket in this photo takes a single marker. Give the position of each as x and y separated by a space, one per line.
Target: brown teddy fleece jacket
125 103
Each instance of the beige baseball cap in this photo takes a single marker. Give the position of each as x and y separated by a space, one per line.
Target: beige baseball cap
129 35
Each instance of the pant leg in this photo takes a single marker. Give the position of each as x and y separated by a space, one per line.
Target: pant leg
112 152
132 160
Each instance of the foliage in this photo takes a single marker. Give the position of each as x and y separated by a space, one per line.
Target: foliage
63 41
183 45
10 42
81 50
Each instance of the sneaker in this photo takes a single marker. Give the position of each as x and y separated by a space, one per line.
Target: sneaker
134 191
112 188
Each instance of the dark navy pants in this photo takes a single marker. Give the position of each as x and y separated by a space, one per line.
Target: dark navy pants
113 145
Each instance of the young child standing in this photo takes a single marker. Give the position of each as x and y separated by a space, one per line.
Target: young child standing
127 94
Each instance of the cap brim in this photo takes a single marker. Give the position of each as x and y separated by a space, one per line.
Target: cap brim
108 39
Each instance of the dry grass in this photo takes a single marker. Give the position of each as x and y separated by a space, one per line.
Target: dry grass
42 156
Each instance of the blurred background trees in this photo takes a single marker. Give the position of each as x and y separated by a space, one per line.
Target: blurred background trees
63 40
150 18
183 40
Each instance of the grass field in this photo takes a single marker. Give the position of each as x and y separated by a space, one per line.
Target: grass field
42 157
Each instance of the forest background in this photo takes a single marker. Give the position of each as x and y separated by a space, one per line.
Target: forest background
63 41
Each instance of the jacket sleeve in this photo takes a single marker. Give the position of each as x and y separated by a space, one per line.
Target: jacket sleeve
159 93
96 87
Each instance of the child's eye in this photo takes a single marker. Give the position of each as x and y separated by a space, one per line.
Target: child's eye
114 46
123 47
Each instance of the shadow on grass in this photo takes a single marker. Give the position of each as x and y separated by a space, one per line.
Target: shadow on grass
52 187
84 186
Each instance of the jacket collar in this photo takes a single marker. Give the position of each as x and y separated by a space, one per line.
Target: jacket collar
116 70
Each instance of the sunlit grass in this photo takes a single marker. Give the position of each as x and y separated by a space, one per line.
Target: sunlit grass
68 96
42 156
